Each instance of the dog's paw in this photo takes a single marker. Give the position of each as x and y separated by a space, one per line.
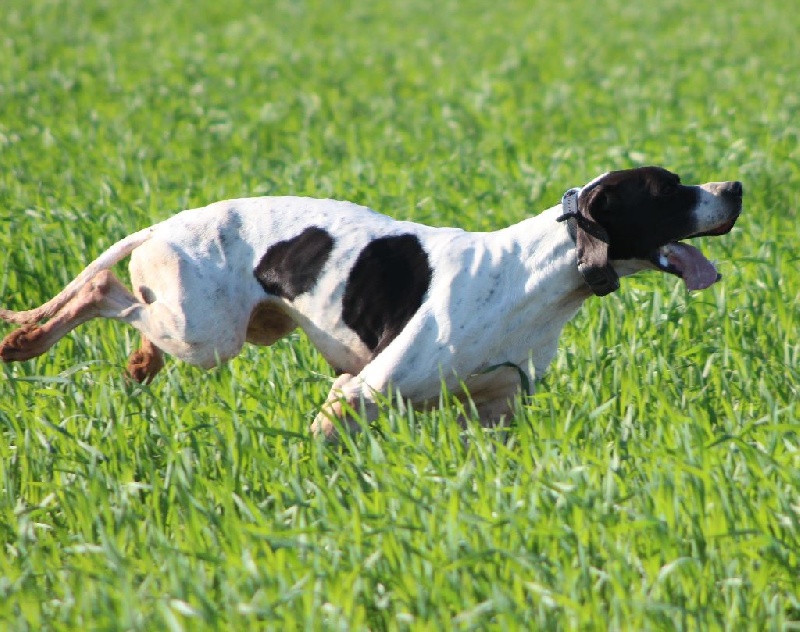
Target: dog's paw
21 344
324 428
143 366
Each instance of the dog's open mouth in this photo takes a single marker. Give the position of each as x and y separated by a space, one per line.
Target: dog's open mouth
688 263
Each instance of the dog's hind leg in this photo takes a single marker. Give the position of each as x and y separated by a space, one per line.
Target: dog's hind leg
103 295
146 362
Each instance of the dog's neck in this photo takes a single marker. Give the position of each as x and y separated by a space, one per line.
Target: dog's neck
551 289
547 245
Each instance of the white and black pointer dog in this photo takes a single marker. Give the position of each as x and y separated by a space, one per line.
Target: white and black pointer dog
393 306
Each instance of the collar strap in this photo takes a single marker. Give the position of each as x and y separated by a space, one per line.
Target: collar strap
590 239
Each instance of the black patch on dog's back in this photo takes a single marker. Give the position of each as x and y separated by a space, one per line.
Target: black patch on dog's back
385 289
290 268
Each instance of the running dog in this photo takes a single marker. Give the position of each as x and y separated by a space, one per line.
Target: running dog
395 307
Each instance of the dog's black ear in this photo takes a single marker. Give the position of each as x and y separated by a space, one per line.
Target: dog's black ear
592 242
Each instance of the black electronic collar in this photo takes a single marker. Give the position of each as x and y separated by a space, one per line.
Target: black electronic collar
592 242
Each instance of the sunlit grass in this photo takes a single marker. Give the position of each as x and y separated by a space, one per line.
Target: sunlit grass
653 480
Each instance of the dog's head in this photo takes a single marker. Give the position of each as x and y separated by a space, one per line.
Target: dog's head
637 218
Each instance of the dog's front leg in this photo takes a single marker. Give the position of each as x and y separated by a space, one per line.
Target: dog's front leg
348 393
492 395
414 366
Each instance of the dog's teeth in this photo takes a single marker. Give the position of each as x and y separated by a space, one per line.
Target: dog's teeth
662 260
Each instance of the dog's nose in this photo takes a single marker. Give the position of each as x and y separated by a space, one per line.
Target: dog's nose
732 189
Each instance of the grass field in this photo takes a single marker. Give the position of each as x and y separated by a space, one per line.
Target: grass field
653 481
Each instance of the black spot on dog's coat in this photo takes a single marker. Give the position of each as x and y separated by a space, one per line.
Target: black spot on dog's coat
290 268
385 289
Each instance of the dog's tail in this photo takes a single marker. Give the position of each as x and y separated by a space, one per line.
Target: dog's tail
114 254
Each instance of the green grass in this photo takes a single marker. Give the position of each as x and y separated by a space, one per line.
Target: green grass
653 481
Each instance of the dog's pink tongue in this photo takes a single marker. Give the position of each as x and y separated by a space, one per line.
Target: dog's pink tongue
698 272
